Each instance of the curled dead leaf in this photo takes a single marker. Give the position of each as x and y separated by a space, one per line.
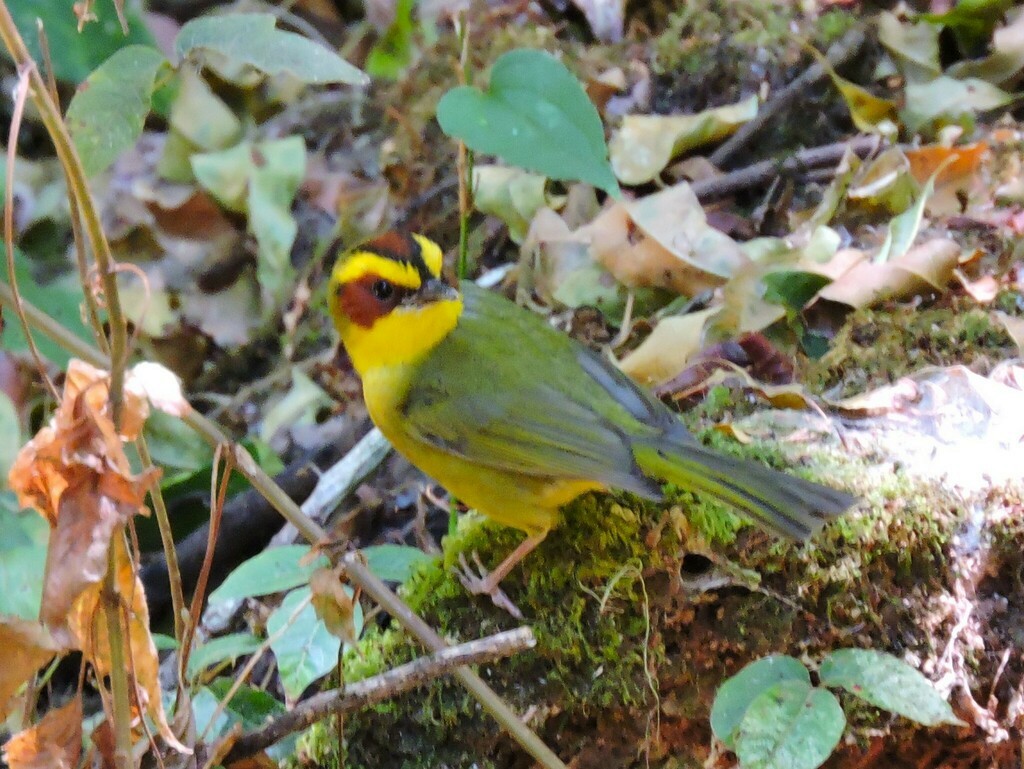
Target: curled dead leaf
645 144
666 351
88 629
924 268
639 261
27 646
54 743
983 290
76 474
333 603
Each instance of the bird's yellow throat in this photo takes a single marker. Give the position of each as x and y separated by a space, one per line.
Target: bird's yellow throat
405 333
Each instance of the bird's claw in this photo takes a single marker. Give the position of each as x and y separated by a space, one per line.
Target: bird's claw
478 582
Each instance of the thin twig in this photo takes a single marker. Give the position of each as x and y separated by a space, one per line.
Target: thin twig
218 493
167 540
340 479
841 52
120 712
381 687
20 94
760 173
464 161
81 258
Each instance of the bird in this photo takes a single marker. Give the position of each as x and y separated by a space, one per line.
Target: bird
515 418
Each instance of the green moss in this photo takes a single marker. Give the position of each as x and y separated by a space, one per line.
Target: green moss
877 347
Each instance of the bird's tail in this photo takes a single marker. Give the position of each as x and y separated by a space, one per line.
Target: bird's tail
778 502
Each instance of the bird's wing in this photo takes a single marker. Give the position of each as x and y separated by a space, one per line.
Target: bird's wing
506 390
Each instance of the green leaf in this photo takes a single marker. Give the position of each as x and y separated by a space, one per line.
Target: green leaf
305 650
392 54
272 571
249 707
394 563
512 195
10 435
903 229
972 21
251 39
60 300
201 117
164 642
793 289
888 683
534 114
791 725
915 47
945 100
22 559
109 109
261 180
228 647
174 445
735 695
75 54
299 406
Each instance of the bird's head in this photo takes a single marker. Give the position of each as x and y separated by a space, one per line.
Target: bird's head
389 301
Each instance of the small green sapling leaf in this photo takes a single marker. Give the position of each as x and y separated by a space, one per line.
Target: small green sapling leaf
534 114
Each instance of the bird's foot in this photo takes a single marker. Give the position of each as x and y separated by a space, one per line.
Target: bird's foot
479 581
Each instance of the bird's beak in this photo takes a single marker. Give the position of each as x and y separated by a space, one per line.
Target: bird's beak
434 290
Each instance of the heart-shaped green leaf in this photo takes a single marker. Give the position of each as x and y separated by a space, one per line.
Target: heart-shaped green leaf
736 694
790 725
534 114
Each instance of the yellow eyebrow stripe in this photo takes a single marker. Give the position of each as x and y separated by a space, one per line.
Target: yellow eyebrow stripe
431 253
361 263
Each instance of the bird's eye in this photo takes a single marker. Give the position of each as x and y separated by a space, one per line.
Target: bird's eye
382 290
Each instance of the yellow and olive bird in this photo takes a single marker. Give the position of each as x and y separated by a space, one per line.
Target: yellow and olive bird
516 419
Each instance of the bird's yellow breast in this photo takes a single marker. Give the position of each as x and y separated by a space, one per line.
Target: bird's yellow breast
524 502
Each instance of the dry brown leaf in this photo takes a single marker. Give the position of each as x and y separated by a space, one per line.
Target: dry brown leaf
639 261
333 604
54 743
76 474
983 290
27 646
752 352
88 515
675 218
105 743
924 161
924 268
956 178
666 351
88 627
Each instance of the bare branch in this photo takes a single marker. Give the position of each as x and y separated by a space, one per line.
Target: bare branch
381 687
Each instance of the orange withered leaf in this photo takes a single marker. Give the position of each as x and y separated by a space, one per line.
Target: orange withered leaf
76 473
54 743
88 627
26 647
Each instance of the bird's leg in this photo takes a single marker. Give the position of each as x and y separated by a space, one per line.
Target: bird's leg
482 582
